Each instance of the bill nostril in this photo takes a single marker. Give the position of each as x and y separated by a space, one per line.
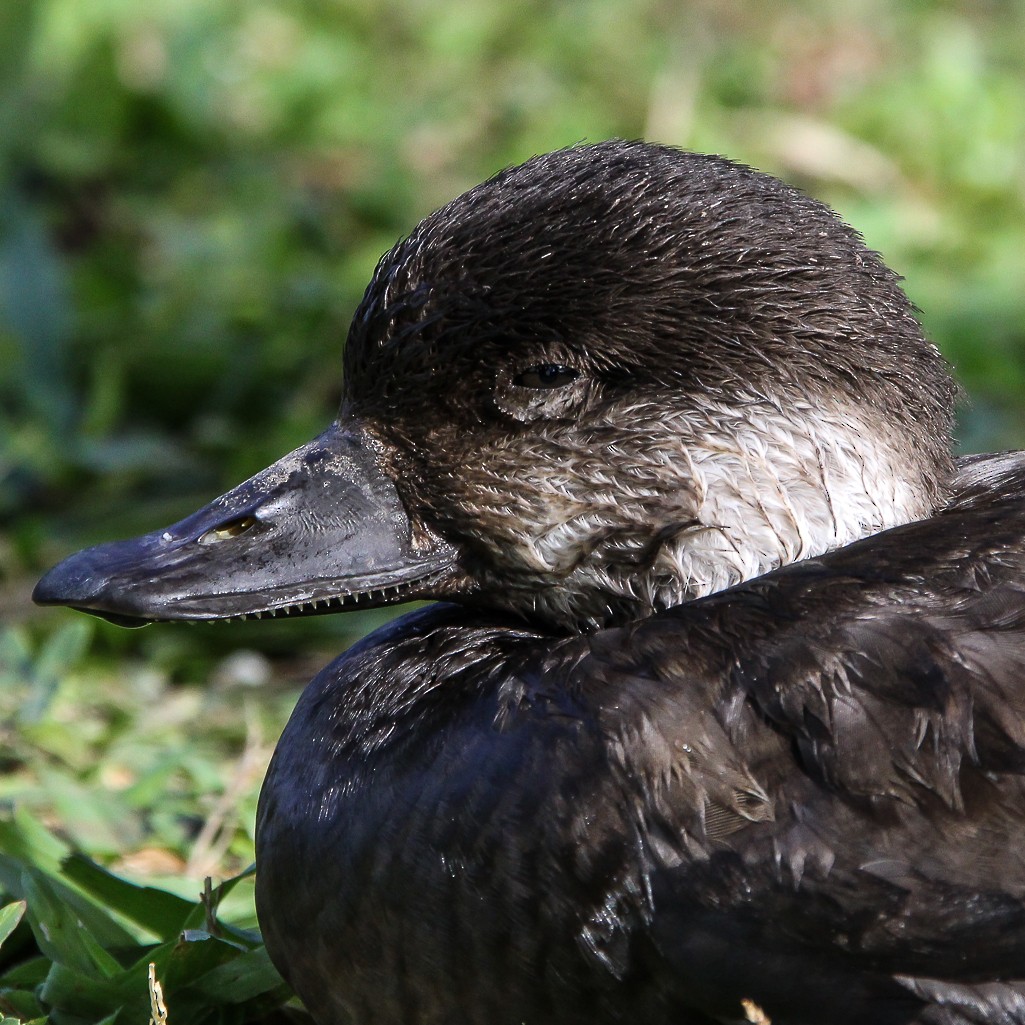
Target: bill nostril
227 530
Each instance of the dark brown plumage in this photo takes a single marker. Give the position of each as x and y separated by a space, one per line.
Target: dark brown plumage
805 792
582 401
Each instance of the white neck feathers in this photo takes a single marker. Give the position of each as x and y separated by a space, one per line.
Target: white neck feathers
773 487
649 507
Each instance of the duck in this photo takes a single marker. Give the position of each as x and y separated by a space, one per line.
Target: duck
718 712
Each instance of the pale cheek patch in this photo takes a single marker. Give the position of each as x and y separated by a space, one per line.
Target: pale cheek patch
650 509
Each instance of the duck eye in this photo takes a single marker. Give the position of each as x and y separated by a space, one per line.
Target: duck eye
230 529
546 375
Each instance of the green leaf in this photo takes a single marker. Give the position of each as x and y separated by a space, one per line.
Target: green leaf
161 913
21 1001
179 964
24 840
57 929
108 965
243 978
200 974
193 954
26 975
61 919
86 996
10 916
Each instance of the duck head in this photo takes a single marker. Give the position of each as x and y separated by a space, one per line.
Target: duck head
612 379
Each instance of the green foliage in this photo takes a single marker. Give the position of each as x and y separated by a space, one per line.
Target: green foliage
98 938
156 779
193 194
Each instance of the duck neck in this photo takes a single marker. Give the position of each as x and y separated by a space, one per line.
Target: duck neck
698 501
772 487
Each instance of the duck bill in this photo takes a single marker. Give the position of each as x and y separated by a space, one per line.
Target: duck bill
322 529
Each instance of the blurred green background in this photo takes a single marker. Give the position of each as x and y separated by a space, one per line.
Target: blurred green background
193 194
